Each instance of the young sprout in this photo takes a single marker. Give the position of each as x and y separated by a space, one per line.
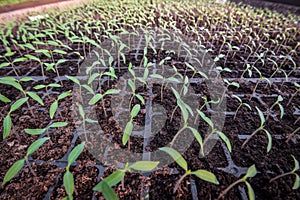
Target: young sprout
241 103
98 97
118 176
129 126
260 128
16 84
200 173
41 86
7 122
54 105
251 172
277 102
68 178
293 172
185 110
164 80
212 132
17 166
295 93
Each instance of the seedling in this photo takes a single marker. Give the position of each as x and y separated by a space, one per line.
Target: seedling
98 97
129 126
17 166
54 105
295 93
241 103
68 176
185 110
260 128
277 102
118 176
293 172
41 86
202 174
251 172
212 132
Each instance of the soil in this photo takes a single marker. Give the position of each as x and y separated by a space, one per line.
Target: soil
49 161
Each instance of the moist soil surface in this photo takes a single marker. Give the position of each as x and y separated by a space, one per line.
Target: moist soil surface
49 161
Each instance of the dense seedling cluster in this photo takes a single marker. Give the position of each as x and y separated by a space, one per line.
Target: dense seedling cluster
45 104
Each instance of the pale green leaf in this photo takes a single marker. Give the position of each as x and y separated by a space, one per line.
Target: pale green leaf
144 165
75 153
35 145
206 176
176 157
13 170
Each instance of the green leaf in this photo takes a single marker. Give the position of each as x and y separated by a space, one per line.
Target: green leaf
88 88
127 132
111 180
142 100
176 157
251 172
58 124
31 57
206 176
81 112
183 109
132 85
281 110
7 124
38 87
93 77
91 120
177 95
64 95
35 131
297 182
269 140
35 145
35 97
197 136
5 64
251 194
95 99
108 192
261 116
296 164
53 109
18 104
75 80
144 165
112 91
26 79
69 183
206 119
12 82
135 110
225 139
4 99
55 85
158 76
59 51
173 79
22 59
75 153
13 170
